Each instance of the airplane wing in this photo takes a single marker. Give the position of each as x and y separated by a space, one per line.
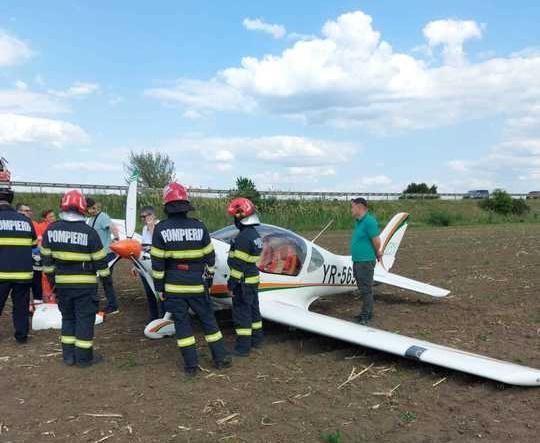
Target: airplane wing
505 372
408 283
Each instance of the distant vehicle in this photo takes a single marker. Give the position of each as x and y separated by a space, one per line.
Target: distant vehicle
533 194
477 194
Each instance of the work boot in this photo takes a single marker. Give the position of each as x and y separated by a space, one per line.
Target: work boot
69 361
192 371
363 320
96 359
226 362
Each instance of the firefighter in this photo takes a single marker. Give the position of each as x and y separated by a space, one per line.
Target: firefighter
182 268
17 238
73 253
243 281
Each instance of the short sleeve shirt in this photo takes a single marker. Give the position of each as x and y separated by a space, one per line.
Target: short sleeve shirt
102 224
361 246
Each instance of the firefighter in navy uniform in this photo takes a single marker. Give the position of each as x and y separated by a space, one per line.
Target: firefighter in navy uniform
244 278
17 237
73 253
182 267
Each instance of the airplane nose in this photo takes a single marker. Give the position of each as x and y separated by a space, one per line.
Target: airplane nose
127 248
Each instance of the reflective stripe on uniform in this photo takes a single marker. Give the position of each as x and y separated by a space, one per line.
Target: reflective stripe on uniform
256 325
186 253
84 344
66 279
48 269
252 280
184 289
208 249
99 255
185 342
243 331
158 275
67 339
104 272
71 256
10 241
244 256
45 251
16 275
235 273
156 252
211 338
211 269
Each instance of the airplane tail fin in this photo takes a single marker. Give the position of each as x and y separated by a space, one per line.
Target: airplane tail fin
391 237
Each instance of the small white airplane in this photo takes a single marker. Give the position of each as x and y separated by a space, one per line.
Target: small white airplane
295 272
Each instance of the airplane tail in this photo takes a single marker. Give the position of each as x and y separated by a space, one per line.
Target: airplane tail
391 237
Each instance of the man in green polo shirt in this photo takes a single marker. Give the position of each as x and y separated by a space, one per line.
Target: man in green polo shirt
365 251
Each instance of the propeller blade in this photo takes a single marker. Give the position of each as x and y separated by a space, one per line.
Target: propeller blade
131 205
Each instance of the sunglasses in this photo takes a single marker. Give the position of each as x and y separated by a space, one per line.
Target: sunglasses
145 215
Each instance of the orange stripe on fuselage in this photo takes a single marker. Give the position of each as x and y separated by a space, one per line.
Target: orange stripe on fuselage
220 289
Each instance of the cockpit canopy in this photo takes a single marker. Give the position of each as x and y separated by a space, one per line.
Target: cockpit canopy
283 251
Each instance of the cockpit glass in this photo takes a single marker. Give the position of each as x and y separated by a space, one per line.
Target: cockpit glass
283 251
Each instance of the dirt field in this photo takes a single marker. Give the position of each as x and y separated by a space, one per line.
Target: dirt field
288 392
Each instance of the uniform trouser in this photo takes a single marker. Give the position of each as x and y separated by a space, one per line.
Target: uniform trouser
108 288
246 316
37 288
78 307
179 306
20 297
363 273
155 308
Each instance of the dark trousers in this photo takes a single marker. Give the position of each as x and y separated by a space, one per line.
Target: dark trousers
179 306
246 317
78 307
108 288
155 308
363 273
20 297
37 289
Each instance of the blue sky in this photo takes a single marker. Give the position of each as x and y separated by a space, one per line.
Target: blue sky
350 95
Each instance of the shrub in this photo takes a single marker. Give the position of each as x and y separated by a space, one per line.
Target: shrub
499 202
520 207
439 218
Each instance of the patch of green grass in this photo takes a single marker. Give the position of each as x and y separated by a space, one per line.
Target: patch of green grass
407 416
334 437
484 337
129 363
534 317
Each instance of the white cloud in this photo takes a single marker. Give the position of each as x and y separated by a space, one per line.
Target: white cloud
458 165
211 95
88 166
451 34
15 129
191 114
350 76
12 50
19 84
224 156
22 100
276 31
312 171
78 89
377 180
280 150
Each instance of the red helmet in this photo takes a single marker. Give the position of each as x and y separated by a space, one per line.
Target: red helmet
73 200
174 192
241 207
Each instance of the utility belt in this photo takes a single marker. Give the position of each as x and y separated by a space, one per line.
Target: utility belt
187 267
